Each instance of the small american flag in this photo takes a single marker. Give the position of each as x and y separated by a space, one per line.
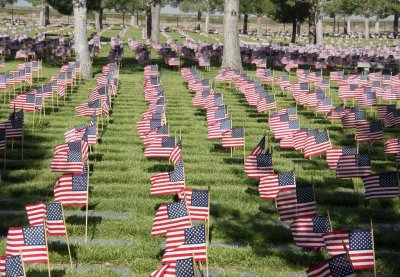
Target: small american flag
383 110
180 268
88 109
30 241
296 202
50 214
333 155
234 138
266 103
160 148
169 182
24 102
350 166
68 159
186 243
358 243
299 138
338 266
250 165
216 130
392 146
316 144
337 113
170 216
71 189
307 231
369 132
381 186
324 105
75 133
392 118
176 154
197 202
352 119
11 266
271 184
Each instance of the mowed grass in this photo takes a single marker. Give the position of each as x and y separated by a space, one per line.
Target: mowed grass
120 174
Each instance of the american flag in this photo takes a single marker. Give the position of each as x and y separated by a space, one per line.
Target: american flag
266 103
383 110
217 130
68 158
30 241
333 155
369 132
348 91
314 98
160 148
271 184
283 82
144 126
197 202
299 138
366 97
287 142
200 99
71 189
176 154
168 182
383 185
170 216
296 202
233 138
185 243
88 109
24 102
324 105
350 166
392 146
250 165
182 268
75 133
392 118
90 135
307 231
352 119
316 144
337 113
358 243
217 114
3 82
283 126
11 266
50 214
338 266
215 99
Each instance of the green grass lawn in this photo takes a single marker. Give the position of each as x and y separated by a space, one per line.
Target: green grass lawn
119 181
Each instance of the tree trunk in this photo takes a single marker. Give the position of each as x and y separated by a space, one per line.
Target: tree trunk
377 25
396 24
123 20
42 21
198 21
81 41
311 28
245 23
348 24
148 20
319 28
155 21
366 22
133 20
334 24
231 57
298 28
294 25
98 16
207 23
259 25
47 15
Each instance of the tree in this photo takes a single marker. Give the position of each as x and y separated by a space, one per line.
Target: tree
394 8
44 15
231 56
78 7
290 11
197 6
366 8
155 20
3 3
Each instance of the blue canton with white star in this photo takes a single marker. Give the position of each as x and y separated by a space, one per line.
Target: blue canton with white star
33 236
176 210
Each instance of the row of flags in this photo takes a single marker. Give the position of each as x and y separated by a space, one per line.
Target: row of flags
35 98
350 250
23 74
30 244
142 53
185 222
219 122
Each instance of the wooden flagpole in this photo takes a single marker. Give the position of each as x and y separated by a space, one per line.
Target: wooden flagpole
22 263
5 156
373 246
347 253
244 146
87 205
329 219
66 236
47 245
